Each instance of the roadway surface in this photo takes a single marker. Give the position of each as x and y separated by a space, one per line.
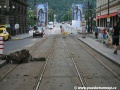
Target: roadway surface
13 45
69 63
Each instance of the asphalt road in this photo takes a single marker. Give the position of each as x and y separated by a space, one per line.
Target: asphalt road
13 45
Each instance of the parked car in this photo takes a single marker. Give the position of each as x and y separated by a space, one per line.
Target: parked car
38 31
3 32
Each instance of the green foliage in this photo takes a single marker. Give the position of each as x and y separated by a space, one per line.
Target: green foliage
30 17
62 8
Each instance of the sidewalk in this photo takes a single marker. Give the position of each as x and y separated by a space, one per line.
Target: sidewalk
22 36
101 48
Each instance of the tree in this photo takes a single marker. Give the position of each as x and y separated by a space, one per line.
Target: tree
67 16
51 13
30 17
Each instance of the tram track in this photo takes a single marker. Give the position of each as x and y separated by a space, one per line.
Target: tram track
82 81
15 66
48 64
37 84
80 75
94 56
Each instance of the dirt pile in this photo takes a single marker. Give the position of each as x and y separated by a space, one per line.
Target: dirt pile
18 57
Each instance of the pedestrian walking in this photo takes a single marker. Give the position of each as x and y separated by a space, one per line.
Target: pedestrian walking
16 27
62 30
28 28
60 26
43 33
116 31
104 33
96 32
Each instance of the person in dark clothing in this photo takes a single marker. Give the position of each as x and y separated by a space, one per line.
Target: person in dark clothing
116 31
96 32
43 33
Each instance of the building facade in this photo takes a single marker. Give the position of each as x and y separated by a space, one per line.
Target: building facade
12 12
107 13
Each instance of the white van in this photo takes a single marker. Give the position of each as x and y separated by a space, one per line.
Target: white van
50 25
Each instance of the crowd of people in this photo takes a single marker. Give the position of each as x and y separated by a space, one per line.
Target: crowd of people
115 35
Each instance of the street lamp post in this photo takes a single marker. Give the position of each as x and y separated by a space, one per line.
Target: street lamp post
108 6
90 21
47 13
88 18
44 18
108 17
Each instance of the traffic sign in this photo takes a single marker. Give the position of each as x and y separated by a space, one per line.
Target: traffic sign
108 16
108 19
83 23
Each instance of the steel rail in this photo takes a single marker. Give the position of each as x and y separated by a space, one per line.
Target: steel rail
78 71
110 70
1 79
38 45
37 84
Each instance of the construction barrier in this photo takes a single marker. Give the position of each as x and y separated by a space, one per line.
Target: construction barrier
1 46
65 32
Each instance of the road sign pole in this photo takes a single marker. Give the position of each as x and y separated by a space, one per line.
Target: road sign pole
108 6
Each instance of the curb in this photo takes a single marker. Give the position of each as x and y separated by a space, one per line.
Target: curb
16 38
101 53
3 63
20 38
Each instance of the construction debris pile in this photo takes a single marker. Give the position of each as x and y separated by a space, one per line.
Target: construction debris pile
18 57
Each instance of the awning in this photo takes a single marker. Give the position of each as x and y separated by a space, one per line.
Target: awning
105 16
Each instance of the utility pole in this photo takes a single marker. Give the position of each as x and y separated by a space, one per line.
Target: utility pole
91 18
100 15
47 14
108 17
88 19
108 6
